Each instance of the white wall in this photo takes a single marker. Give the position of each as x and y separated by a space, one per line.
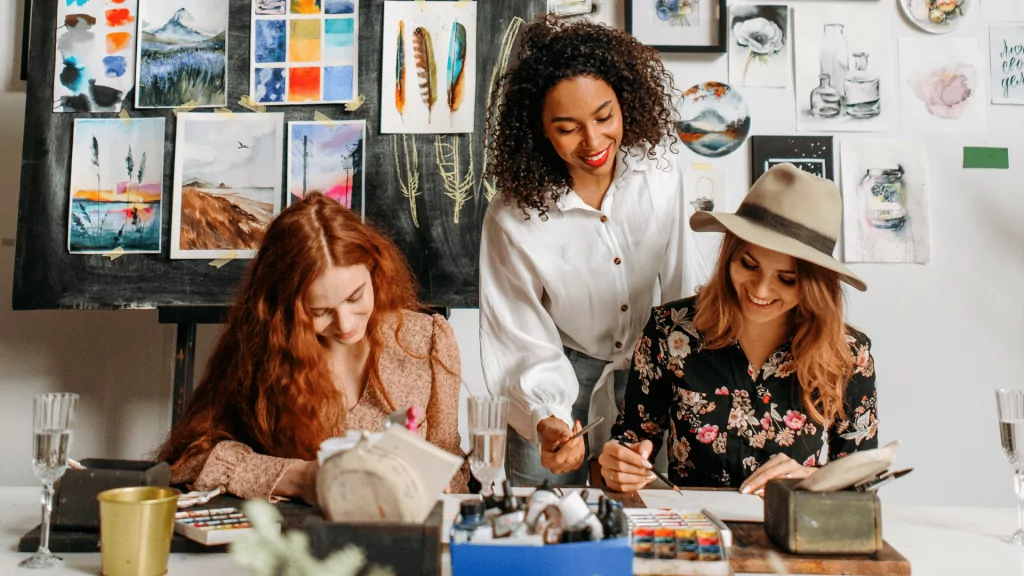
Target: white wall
941 344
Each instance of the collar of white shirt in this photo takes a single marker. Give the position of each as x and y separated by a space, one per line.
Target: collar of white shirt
624 163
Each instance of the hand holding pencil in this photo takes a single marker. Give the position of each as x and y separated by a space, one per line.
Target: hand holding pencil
625 467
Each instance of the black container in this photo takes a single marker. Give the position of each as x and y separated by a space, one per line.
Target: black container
75 506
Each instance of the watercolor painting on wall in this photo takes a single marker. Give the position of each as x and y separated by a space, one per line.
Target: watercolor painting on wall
182 53
703 190
328 158
713 119
938 16
428 68
227 183
759 45
844 74
885 204
94 66
307 54
812 154
943 85
116 191
1006 50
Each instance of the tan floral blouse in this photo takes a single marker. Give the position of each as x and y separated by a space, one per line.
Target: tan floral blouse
725 418
414 378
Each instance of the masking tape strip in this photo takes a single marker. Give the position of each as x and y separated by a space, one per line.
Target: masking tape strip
227 257
186 107
225 112
462 3
115 253
421 4
355 104
250 104
323 119
702 166
126 118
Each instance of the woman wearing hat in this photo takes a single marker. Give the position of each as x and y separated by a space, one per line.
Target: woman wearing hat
757 376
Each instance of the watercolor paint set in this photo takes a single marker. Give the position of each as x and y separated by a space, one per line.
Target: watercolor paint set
212 526
668 541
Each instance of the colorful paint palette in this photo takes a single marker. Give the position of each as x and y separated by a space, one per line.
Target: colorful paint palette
304 51
213 526
687 540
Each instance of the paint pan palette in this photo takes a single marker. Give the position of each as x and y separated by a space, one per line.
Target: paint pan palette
684 542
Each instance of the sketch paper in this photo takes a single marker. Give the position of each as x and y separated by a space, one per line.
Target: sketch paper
328 158
227 183
94 67
307 54
885 204
116 190
182 53
812 154
942 85
1006 51
759 45
836 39
428 68
703 190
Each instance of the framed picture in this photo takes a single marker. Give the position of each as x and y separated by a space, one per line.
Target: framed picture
678 25
812 154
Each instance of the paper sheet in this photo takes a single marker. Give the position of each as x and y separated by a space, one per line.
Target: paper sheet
727 506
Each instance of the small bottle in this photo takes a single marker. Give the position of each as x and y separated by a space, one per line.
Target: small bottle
883 196
863 99
538 502
825 100
471 517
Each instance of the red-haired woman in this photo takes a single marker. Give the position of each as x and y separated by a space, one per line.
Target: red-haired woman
757 376
325 337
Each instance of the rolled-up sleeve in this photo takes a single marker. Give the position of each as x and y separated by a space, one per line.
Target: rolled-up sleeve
235 467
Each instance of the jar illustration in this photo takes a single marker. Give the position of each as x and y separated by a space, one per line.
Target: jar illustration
884 199
834 59
825 100
862 94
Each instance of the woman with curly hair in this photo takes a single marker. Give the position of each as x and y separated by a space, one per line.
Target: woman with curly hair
584 239
326 336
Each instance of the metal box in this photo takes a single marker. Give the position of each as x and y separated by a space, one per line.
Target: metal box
842 522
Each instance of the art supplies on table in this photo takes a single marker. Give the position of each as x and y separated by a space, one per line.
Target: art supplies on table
678 542
212 527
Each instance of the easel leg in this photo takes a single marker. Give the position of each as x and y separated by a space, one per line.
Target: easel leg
184 368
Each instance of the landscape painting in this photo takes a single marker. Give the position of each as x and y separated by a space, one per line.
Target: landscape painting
428 68
943 85
885 201
116 191
227 183
182 53
94 66
812 154
713 119
759 45
327 158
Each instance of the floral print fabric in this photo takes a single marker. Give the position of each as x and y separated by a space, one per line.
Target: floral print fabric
724 417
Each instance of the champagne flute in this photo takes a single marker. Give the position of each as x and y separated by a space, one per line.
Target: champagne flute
1010 405
52 424
488 429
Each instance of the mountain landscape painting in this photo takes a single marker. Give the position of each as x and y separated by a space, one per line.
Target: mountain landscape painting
227 183
327 158
182 53
714 120
116 187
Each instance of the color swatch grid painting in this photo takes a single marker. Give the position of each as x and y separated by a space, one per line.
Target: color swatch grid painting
428 68
942 85
328 158
227 183
304 51
94 67
116 191
182 53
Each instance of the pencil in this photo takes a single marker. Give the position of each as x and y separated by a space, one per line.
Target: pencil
660 476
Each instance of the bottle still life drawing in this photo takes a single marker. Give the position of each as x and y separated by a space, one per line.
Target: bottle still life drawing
855 93
676 12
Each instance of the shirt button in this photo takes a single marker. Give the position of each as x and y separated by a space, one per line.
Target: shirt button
604 218
617 261
618 344
624 307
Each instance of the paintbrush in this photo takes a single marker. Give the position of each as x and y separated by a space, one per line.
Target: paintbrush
660 476
883 480
585 429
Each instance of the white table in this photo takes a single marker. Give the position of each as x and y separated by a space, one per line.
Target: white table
938 540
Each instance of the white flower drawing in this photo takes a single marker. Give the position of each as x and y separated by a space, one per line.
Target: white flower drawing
762 36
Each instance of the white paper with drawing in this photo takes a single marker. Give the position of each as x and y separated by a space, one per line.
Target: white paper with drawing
1006 51
942 85
703 190
885 201
844 73
759 45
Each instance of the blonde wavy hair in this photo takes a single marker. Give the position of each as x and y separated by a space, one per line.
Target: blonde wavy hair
824 362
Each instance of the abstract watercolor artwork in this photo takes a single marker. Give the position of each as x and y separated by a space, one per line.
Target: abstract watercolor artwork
714 120
942 85
673 13
1006 50
885 204
759 45
304 51
94 66
182 53
812 154
116 191
227 183
703 190
328 158
845 79
428 67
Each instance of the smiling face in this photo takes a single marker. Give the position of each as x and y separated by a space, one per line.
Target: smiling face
765 282
341 301
583 122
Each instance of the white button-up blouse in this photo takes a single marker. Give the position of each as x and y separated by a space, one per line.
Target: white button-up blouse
584 279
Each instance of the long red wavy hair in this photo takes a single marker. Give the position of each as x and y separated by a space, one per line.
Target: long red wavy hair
267 383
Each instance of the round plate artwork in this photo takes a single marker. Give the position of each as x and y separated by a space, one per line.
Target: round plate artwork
938 16
713 119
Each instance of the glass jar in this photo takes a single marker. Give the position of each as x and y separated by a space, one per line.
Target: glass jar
884 198
863 99
834 58
825 100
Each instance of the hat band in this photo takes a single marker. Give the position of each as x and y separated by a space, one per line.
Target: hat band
795 230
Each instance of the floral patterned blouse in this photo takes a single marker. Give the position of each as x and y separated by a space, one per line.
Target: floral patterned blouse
724 417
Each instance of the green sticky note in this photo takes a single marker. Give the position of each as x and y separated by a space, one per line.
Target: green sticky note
998 158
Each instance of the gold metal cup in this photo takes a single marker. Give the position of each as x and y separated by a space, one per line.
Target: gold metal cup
136 526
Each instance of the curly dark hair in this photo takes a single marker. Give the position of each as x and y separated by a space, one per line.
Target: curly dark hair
523 163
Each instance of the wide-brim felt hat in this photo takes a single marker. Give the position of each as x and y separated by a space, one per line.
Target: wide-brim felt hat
788 211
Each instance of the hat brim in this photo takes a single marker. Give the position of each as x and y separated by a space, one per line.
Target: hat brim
772 240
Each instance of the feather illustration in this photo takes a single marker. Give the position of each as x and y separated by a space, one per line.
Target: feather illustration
426 69
400 72
456 68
